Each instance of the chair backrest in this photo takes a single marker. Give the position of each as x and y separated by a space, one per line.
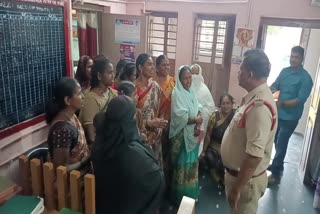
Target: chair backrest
43 180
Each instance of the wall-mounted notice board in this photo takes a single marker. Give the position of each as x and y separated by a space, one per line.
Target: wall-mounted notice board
34 55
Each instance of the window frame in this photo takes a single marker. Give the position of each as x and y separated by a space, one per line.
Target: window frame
166 36
216 53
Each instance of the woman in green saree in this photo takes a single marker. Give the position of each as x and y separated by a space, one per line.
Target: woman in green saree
185 126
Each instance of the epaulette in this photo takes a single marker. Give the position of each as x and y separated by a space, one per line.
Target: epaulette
258 102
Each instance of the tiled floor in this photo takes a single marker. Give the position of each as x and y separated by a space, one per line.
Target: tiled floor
290 197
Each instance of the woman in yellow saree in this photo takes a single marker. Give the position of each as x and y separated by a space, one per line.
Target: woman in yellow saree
167 84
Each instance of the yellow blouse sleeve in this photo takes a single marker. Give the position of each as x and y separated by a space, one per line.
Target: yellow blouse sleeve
89 110
212 120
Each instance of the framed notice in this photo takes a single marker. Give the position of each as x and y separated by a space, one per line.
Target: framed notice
127 31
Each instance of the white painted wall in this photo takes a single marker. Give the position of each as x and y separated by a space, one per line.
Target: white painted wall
248 12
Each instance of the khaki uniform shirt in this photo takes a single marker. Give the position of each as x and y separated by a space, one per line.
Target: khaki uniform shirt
94 103
256 138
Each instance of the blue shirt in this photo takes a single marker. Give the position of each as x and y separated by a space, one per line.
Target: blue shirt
292 84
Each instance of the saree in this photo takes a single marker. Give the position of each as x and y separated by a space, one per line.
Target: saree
165 99
165 113
204 97
213 154
70 135
184 145
149 104
185 173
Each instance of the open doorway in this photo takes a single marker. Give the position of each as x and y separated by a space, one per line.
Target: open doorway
279 41
277 37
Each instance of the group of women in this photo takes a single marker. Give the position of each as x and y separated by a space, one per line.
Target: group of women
136 130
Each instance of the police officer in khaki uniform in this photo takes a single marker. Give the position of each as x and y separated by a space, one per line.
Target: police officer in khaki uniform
247 143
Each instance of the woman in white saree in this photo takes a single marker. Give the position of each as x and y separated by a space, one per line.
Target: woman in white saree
204 98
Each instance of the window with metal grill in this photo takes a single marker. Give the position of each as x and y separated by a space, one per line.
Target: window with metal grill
162 34
209 40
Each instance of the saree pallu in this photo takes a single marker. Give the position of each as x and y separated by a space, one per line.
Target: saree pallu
165 99
81 149
165 113
70 135
149 103
213 154
185 170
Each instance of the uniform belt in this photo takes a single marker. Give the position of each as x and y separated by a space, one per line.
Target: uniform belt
235 173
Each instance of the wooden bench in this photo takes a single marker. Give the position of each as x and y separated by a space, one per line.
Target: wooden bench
41 179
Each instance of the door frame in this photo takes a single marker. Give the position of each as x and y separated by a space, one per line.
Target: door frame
312 132
265 21
224 76
165 15
313 122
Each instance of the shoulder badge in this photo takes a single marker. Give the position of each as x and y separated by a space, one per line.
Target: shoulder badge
258 102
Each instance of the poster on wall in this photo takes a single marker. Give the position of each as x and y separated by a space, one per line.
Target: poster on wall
127 31
127 52
243 42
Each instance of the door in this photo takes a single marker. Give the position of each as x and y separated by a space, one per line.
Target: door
305 24
312 133
212 50
162 37
277 37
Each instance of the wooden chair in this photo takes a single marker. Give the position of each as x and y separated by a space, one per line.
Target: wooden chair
187 206
39 179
